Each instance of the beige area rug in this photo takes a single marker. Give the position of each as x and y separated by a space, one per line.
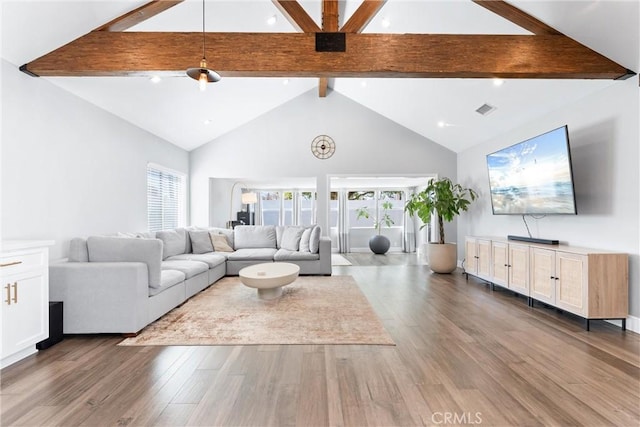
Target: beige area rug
312 310
337 259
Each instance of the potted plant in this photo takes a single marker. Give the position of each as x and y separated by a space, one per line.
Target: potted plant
378 244
444 200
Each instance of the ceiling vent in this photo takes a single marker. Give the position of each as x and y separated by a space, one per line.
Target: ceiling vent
485 109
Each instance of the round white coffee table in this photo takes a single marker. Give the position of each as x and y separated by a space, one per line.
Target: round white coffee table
269 278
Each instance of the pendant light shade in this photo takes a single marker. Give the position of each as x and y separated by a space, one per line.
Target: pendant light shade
202 74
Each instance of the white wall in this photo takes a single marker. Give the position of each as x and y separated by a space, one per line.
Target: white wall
277 144
69 168
604 138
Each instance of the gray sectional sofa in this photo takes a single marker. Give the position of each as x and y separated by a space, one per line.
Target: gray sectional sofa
121 283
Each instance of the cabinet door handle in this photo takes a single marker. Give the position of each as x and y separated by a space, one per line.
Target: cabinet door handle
15 292
7 264
8 288
551 277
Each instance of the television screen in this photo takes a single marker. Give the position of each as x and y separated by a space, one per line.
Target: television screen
533 177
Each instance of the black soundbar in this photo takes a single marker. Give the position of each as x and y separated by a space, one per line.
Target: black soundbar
534 240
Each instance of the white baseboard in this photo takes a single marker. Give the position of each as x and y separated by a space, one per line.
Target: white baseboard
633 323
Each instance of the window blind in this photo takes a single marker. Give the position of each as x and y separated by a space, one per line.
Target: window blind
166 198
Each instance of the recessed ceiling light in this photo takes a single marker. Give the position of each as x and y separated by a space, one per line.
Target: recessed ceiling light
441 124
272 20
498 82
385 23
155 79
285 82
207 122
363 83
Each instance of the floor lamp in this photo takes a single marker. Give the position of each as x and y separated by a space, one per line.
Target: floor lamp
249 199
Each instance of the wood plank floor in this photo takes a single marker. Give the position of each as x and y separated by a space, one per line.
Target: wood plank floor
464 355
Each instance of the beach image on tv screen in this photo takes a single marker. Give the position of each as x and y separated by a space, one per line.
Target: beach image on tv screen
533 177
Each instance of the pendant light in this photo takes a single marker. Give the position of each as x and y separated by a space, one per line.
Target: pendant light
202 74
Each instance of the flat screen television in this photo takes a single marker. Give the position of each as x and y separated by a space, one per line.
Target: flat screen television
533 177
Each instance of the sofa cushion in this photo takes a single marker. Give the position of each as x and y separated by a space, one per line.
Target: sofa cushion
286 255
189 268
314 240
168 279
211 259
304 240
78 251
115 249
251 254
291 238
174 242
255 236
200 241
220 242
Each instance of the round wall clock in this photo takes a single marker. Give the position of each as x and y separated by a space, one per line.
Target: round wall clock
323 146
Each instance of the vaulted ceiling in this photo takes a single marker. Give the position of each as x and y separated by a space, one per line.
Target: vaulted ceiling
426 65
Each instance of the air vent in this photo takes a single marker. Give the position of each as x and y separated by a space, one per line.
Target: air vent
485 109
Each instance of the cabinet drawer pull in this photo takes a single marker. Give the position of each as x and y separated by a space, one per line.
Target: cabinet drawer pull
15 292
8 288
8 264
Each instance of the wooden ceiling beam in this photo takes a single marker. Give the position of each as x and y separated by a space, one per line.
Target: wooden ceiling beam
329 24
297 16
101 53
330 16
362 16
138 15
518 17
323 87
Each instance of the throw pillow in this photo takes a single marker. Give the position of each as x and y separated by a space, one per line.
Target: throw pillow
220 243
314 240
174 242
291 238
225 231
200 241
304 240
78 251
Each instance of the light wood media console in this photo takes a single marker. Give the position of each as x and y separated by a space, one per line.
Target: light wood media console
589 283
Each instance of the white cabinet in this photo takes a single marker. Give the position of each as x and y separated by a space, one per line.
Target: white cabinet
24 277
590 283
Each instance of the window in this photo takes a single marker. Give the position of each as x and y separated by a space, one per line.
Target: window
270 207
361 199
287 207
166 198
333 209
396 199
307 208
